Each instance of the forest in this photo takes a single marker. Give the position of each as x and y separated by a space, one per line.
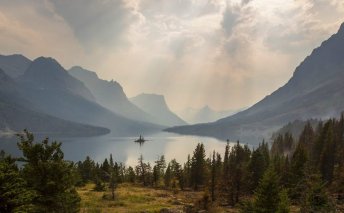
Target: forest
304 173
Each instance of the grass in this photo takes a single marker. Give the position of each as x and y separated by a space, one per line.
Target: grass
133 198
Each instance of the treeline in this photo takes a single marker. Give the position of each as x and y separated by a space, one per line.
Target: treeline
307 172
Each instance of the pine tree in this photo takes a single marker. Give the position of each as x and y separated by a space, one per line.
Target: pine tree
267 195
315 198
213 177
113 182
15 194
327 157
48 175
198 167
284 204
168 176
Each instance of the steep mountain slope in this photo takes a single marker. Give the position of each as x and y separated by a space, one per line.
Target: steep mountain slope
204 114
16 114
316 90
110 94
48 75
14 65
156 106
55 92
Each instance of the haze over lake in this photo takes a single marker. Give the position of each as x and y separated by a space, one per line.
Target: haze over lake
125 150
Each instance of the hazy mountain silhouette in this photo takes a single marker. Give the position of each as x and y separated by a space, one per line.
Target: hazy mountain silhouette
316 90
17 113
110 94
14 65
156 106
55 92
204 114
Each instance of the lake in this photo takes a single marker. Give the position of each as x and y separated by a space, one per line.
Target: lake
125 150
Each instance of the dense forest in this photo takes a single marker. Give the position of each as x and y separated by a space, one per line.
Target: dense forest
306 172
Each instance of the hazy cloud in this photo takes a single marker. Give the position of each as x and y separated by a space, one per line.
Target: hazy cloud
97 23
222 53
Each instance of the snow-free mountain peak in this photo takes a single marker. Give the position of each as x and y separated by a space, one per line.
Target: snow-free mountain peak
156 106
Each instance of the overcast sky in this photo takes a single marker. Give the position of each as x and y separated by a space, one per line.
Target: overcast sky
226 54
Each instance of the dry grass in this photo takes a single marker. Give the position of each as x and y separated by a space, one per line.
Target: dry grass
133 198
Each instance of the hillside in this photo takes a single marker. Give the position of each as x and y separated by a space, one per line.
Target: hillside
17 113
305 96
53 91
110 95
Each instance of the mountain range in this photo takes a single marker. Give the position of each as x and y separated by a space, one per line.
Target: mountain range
156 106
57 99
38 92
18 113
316 90
204 114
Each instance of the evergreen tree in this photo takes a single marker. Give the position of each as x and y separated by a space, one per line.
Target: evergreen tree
298 169
131 175
113 182
15 194
315 198
327 157
257 166
198 167
48 175
213 177
111 161
284 204
267 195
168 176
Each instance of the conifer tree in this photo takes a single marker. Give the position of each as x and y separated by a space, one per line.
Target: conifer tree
198 167
15 194
267 195
48 175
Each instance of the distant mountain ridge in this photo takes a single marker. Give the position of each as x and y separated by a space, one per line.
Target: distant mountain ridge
52 93
16 114
204 114
156 106
110 94
47 74
316 90
14 65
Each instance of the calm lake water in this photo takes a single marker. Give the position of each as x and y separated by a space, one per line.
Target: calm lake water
126 150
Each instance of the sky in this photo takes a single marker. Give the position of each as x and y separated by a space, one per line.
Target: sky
227 54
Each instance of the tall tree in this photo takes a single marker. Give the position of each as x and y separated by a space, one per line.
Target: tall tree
49 175
198 167
15 194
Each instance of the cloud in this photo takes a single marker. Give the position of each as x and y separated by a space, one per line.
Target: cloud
32 28
97 23
222 53
304 25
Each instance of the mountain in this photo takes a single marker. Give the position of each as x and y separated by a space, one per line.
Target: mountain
110 94
316 90
14 65
48 75
16 114
54 91
156 106
204 114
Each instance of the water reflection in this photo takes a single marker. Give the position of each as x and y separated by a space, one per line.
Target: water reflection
126 150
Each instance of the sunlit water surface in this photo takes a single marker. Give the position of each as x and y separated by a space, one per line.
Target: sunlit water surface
125 150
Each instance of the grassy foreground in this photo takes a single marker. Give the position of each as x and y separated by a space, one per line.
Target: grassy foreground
134 198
